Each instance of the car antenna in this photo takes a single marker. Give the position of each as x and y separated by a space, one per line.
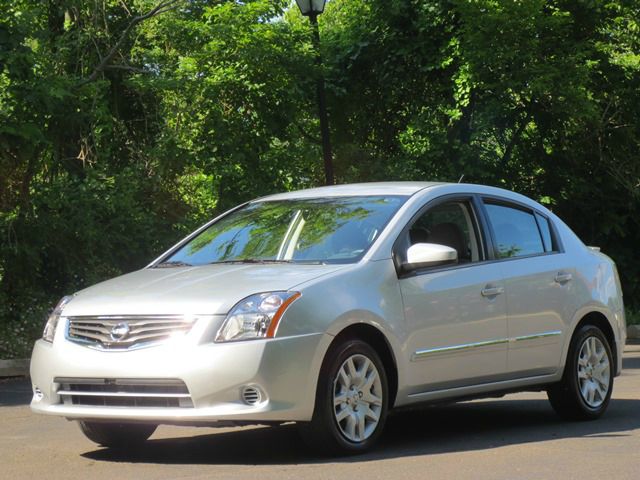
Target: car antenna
461 177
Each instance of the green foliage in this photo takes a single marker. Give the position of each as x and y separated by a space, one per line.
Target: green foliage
119 136
632 317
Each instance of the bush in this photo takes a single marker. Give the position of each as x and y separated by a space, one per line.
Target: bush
19 330
633 316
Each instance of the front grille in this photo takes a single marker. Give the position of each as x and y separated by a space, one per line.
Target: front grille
124 392
125 332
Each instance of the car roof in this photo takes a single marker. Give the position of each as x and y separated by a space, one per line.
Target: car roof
355 189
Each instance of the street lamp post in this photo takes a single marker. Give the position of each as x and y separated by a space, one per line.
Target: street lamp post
311 9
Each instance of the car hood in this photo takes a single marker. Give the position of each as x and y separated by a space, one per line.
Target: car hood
202 290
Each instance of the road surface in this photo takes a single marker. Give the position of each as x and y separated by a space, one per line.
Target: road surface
516 437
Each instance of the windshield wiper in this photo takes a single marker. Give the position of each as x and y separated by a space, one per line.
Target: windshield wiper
251 260
265 261
173 263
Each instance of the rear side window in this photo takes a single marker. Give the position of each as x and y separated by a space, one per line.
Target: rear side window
516 231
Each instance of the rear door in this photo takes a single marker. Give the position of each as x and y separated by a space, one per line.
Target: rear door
538 280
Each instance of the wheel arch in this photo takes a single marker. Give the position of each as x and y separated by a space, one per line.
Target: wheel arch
599 319
380 343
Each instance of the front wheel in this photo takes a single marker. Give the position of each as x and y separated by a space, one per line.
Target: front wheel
351 401
587 382
117 435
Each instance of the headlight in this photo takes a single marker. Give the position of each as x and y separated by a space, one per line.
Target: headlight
256 316
52 321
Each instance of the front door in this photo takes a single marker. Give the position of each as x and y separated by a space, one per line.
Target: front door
455 315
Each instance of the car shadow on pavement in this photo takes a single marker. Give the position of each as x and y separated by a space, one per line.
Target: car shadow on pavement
431 431
630 363
15 391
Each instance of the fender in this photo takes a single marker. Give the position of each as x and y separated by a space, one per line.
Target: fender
365 317
578 316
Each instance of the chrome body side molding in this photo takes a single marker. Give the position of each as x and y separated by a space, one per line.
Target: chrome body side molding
420 354
553 333
425 353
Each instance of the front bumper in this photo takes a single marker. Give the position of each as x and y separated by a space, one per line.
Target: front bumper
284 369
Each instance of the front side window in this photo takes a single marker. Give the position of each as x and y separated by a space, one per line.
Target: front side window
450 224
317 230
516 231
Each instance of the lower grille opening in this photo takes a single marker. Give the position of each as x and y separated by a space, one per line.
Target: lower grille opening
119 392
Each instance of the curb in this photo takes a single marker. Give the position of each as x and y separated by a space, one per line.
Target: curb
14 368
633 331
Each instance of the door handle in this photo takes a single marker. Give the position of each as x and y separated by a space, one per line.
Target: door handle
491 291
563 277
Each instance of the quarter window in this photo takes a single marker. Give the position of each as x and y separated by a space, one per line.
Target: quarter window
545 231
516 231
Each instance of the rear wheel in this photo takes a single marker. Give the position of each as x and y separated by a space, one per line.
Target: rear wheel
587 382
351 401
117 435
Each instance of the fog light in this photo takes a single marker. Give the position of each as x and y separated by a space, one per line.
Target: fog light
37 394
251 395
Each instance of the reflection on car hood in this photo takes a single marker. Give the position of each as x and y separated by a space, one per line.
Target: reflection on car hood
209 289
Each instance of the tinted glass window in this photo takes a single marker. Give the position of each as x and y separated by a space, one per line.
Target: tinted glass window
545 230
449 224
516 231
325 230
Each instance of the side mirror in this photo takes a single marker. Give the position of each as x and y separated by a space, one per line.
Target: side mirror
422 255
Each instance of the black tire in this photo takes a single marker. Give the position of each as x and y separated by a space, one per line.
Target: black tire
117 435
567 397
325 434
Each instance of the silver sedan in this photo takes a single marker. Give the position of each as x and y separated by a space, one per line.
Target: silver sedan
331 306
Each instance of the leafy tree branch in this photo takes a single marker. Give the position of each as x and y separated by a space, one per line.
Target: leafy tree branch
104 64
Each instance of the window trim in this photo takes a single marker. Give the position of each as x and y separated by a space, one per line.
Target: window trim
479 228
514 204
539 217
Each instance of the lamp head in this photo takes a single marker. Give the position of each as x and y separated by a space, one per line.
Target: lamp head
311 7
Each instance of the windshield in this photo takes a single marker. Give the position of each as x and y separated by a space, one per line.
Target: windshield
317 230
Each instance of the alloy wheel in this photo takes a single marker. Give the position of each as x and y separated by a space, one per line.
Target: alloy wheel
357 398
593 370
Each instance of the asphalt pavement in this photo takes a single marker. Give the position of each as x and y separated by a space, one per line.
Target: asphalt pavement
516 437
